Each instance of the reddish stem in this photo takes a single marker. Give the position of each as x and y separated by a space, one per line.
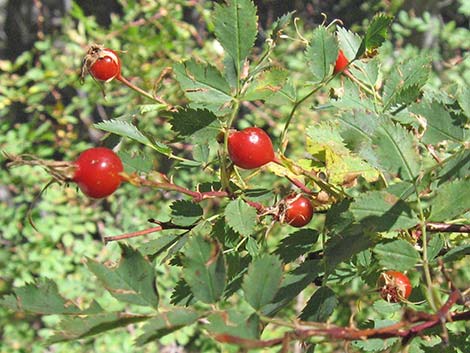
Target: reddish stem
133 234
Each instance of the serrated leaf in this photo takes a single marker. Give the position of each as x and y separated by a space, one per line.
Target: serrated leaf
296 244
384 307
166 323
436 244
292 284
279 25
185 213
188 121
262 281
457 166
266 84
182 294
81 327
236 27
326 145
451 201
126 129
321 53
204 269
464 100
396 152
320 305
135 163
349 41
344 245
44 298
405 79
377 344
203 84
376 33
380 211
133 280
439 124
457 253
339 217
157 246
368 71
240 217
286 95
230 325
398 255
352 98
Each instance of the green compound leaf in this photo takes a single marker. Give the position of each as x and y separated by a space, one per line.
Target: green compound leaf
236 27
240 217
353 99
398 255
126 129
381 211
185 213
457 166
81 327
343 245
233 324
395 150
133 280
166 323
320 305
376 34
135 162
294 282
189 121
204 269
321 53
451 201
457 253
43 298
439 124
405 82
280 25
297 244
376 344
326 145
262 281
266 84
203 84
349 42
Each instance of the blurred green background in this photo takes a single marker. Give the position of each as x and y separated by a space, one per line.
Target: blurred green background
44 110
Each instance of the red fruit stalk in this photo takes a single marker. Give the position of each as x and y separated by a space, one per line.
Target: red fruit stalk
250 148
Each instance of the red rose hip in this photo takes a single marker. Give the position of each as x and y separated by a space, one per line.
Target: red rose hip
394 286
102 63
341 63
298 210
250 148
97 172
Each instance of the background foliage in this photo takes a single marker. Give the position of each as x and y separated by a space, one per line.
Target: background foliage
45 111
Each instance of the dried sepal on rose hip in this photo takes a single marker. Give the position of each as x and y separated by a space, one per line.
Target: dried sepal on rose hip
394 286
101 63
296 210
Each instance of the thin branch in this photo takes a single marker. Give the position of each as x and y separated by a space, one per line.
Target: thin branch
404 329
447 228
